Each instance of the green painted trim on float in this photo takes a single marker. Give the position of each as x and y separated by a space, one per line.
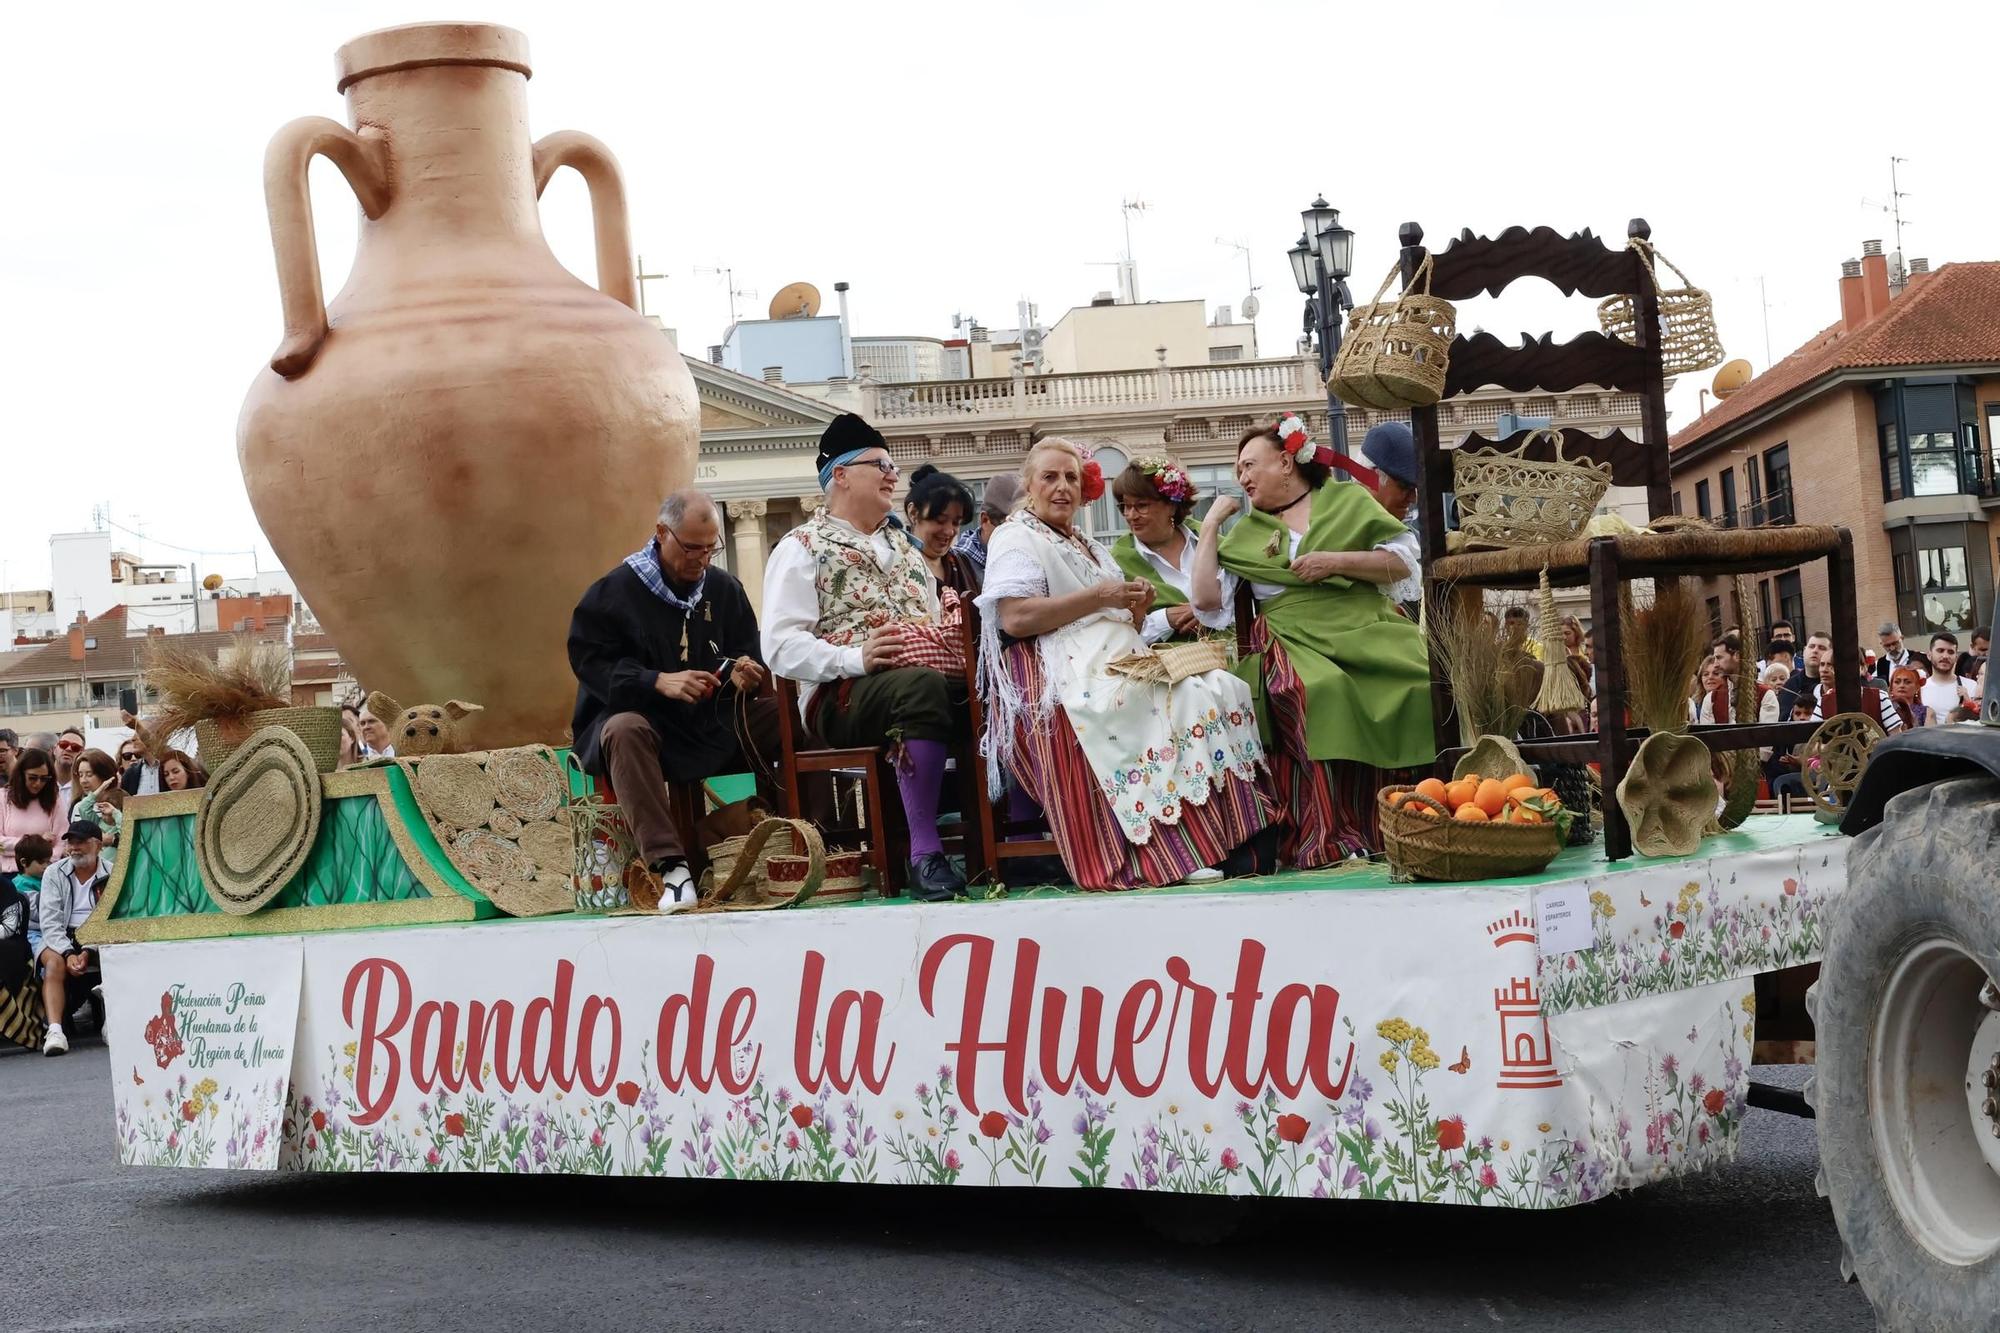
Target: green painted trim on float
374 865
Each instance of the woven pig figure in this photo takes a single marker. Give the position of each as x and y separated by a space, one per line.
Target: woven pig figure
425 729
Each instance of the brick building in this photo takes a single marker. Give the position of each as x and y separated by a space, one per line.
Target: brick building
1885 421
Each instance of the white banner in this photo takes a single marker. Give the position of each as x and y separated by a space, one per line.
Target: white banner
1383 1044
201 1036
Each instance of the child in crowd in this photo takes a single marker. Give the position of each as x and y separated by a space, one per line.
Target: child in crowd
21 1018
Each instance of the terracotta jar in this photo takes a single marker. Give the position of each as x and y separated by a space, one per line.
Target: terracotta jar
449 453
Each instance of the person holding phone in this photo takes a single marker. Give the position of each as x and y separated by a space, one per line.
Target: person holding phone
670 682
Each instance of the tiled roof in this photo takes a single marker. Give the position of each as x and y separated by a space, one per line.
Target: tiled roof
116 654
1949 318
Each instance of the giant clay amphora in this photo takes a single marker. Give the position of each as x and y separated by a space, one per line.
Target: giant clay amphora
449 453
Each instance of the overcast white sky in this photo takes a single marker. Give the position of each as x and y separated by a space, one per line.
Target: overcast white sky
949 157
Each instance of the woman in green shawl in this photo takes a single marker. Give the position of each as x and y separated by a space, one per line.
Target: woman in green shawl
1155 495
1340 677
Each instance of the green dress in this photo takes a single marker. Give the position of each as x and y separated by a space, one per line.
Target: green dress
1365 672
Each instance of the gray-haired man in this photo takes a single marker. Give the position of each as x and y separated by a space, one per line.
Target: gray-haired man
669 678
1001 495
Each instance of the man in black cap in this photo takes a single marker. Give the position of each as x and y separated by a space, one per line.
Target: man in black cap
845 593
669 682
69 892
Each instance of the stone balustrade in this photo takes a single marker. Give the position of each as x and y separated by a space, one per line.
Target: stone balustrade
1174 388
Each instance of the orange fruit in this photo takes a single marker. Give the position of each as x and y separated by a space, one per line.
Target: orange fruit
1516 781
1396 799
1522 814
1491 797
1472 814
1427 811
1461 792
1432 788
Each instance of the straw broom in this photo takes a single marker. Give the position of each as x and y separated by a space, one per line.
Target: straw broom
1559 693
1664 643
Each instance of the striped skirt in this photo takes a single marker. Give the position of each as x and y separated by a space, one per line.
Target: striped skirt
1328 805
1049 764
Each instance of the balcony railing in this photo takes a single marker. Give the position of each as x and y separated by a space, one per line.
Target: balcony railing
1107 392
1774 510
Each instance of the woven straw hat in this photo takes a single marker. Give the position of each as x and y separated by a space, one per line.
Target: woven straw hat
258 818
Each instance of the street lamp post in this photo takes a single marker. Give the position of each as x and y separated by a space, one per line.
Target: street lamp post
1321 261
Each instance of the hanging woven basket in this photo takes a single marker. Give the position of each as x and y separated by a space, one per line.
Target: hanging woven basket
1506 499
1688 337
1396 352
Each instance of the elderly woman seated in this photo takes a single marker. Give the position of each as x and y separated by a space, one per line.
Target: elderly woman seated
1156 497
1342 679
1143 781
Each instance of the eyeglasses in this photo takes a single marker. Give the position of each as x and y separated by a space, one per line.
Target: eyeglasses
888 466
71 747
705 552
40 775
1137 506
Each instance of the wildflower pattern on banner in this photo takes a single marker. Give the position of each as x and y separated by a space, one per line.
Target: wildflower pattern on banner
1698 923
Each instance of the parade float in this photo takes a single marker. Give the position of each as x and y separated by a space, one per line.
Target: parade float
434 964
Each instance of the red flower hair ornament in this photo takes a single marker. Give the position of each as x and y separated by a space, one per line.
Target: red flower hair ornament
1093 481
1294 440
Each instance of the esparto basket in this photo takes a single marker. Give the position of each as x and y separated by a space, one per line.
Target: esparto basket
1506 499
1436 846
1396 352
1172 663
1688 339
319 728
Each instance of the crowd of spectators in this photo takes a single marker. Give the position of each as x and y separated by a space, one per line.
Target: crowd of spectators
62 816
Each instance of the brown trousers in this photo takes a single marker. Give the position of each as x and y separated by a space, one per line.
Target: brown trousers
632 748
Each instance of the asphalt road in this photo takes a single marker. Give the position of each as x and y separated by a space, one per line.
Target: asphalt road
97 1246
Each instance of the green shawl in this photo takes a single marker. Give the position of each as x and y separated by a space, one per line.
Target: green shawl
1130 559
1364 668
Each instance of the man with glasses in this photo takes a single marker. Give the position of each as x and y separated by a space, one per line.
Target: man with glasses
846 596
1894 654
69 744
669 679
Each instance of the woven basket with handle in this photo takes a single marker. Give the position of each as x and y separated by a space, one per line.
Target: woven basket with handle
1396 352
1436 846
745 882
1688 340
1507 499
319 728
1172 663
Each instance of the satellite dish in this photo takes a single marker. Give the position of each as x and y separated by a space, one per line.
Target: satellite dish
1251 305
212 582
798 301
1731 378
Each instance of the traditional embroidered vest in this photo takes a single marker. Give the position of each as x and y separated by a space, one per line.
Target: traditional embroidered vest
856 594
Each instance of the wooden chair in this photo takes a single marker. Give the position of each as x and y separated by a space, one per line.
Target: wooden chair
796 758
995 827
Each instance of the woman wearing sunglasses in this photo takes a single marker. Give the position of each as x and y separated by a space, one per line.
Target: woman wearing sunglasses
33 803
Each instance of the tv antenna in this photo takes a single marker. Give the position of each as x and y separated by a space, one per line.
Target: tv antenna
644 278
1128 270
728 276
1894 208
1250 304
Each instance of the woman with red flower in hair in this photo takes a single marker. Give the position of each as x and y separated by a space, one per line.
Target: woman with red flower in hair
1341 678
1142 781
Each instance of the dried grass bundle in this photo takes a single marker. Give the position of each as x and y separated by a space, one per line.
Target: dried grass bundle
1664 642
1487 669
244 678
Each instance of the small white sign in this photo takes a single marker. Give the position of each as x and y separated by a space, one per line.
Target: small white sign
1562 919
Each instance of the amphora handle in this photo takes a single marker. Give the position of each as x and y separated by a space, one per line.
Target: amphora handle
363 158
599 169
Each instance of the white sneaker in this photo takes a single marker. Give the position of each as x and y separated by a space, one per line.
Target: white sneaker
677 887
1205 875
55 1043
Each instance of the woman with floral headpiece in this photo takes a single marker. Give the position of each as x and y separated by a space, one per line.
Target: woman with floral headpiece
1341 678
1156 497
1142 781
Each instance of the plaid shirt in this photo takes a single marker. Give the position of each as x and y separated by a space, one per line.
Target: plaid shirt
645 562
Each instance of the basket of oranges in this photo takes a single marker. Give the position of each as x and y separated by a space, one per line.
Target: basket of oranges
1471 828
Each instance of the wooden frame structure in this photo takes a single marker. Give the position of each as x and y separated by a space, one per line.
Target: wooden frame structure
1582 265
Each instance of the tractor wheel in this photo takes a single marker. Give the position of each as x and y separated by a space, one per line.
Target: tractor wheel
1907 1089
